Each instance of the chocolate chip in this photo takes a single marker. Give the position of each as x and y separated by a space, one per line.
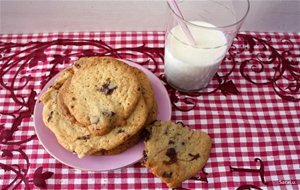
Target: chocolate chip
108 113
171 142
73 98
194 157
171 153
180 122
108 87
167 174
50 116
84 137
145 157
153 122
183 143
121 131
146 134
77 65
101 151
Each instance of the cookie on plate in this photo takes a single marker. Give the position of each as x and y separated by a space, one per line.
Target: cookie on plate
146 87
174 152
148 94
79 139
102 93
122 147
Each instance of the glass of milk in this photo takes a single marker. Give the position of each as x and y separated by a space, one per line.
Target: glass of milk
190 64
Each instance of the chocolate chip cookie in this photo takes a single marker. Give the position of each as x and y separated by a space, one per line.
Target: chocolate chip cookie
174 152
81 140
148 94
102 94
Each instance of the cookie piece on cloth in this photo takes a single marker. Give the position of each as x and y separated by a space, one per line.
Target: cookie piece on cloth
174 152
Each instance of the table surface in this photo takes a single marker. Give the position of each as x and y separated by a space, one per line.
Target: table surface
251 110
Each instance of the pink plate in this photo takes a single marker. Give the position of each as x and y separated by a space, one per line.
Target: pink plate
100 163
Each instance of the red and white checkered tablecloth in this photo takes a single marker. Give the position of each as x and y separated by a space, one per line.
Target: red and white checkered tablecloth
251 110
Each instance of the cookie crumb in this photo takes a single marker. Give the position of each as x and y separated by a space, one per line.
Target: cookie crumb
194 157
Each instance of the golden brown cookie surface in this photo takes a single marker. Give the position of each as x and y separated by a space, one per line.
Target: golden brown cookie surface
148 94
122 147
174 152
79 139
102 94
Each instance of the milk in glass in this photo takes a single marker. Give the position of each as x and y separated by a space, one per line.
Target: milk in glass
191 67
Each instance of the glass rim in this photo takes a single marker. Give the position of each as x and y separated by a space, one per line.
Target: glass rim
213 27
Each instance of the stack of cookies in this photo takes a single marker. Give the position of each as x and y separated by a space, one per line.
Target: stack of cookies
99 106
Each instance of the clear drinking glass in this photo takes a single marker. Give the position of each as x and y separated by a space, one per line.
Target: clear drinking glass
213 24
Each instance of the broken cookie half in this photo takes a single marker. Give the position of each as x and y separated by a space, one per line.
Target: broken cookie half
174 152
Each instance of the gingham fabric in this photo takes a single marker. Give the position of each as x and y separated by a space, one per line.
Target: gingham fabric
251 110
